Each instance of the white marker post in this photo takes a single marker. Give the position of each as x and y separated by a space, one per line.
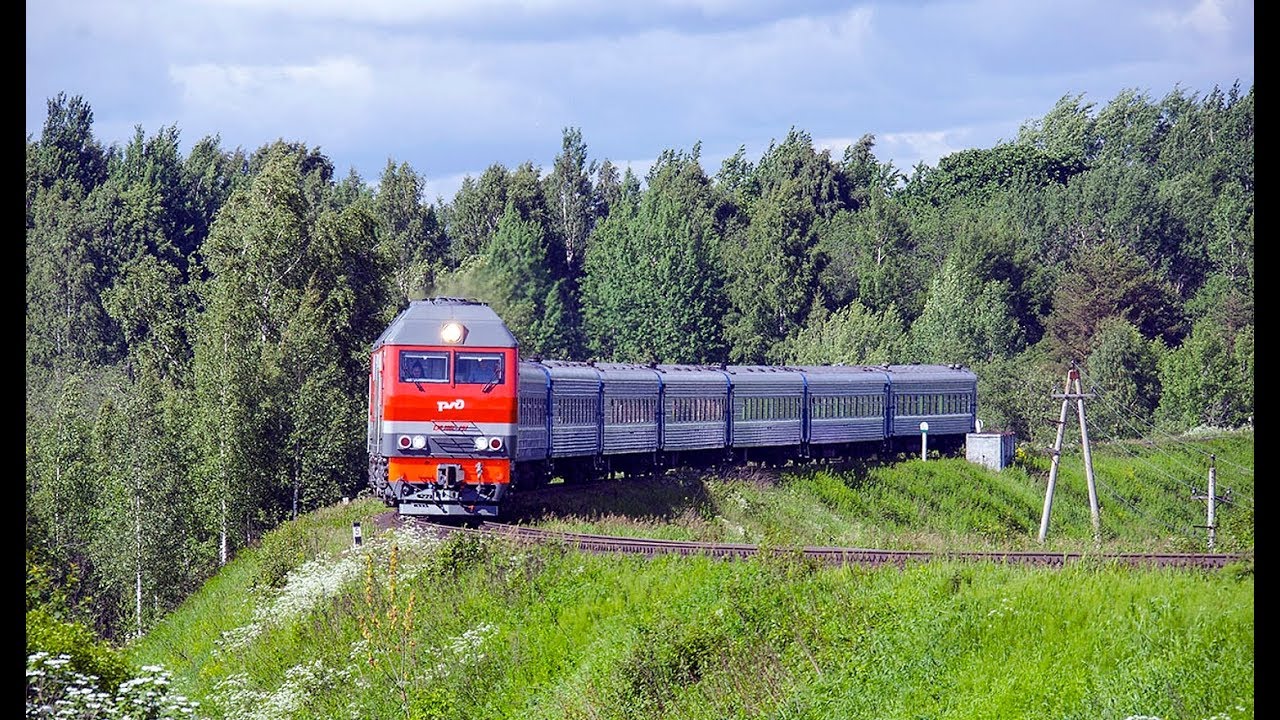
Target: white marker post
924 441
355 533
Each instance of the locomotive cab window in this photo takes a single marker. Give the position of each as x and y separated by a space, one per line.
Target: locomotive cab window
479 369
417 366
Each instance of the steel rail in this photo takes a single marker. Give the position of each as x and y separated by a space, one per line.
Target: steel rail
832 555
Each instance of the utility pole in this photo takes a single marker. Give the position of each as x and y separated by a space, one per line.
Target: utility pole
1071 391
1212 498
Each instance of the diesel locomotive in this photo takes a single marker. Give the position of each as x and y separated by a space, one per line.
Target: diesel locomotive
457 419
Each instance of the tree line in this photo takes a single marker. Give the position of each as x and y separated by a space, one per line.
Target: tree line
198 326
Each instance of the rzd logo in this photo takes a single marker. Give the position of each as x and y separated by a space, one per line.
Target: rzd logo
447 405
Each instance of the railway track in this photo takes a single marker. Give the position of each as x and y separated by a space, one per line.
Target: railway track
832 555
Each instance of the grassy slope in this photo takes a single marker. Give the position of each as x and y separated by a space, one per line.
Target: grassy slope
1144 492
308 626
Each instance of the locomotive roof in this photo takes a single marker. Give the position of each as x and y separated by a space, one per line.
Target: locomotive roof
420 323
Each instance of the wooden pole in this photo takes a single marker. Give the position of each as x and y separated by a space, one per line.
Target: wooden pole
1053 466
1071 391
1088 461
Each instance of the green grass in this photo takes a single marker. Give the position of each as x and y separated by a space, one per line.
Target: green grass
1144 493
406 626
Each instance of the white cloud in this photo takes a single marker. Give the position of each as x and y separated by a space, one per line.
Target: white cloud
836 146
332 84
448 85
787 49
1207 19
389 10
908 148
500 11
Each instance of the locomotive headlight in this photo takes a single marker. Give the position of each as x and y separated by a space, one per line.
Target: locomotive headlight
404 442
481 443
495 443
419 442
452 332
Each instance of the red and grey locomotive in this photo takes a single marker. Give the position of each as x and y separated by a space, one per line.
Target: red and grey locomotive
457 419
442 409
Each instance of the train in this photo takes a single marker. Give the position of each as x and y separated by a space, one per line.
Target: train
458 419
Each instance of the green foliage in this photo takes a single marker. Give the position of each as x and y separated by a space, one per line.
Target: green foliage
775 256
794 168
520 274
652 289
772 274
1224 302
408 233
610 190
664 658
472 217
868 176
457 553
1110 280
67 149
59 504
282 550
569 193
965 320
387 628
1129 130
1067 130
295 296
68 267
558 633
1015 393
975 174
872 256
198 328
852 335
86 653
1123 371
144 517
1208 380
55 688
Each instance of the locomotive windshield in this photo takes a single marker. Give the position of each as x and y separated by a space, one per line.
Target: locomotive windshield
479 369
417 366
469 368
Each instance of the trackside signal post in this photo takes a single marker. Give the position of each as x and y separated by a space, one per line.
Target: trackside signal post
1071 391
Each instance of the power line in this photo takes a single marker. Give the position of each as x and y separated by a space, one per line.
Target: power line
1151 429
1106 399
1072 391
1025 385
1121 411
1141 514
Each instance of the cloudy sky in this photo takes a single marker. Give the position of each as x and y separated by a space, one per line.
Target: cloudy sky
453 86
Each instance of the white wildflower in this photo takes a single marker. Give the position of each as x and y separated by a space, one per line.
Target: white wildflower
300 681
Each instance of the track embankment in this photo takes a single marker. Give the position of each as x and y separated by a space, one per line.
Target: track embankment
830 555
